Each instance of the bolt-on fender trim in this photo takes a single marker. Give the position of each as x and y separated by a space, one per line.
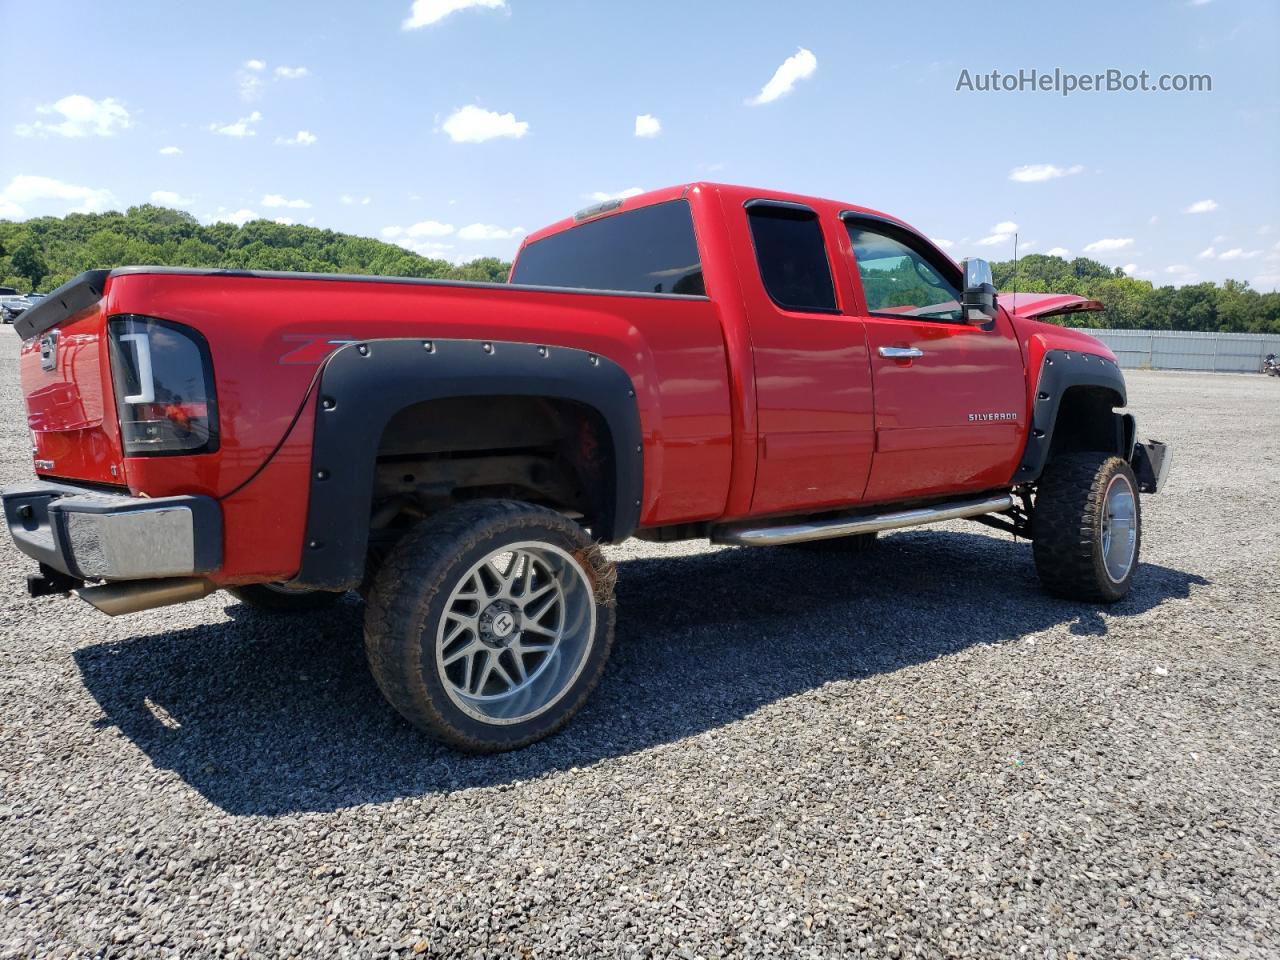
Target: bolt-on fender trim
1060 371
364 384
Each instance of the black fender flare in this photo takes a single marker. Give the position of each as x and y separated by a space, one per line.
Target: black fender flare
1060 370
364 384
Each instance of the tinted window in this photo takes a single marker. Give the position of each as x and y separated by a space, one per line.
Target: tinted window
792 257
650 250
899 282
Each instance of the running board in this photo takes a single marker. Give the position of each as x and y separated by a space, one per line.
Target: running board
846 526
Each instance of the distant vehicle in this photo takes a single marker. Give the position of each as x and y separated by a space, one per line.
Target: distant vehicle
8 291
11 308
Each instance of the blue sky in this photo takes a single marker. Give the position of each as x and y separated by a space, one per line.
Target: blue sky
451 132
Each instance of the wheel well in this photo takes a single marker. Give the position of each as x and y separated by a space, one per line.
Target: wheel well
545 450
1087 420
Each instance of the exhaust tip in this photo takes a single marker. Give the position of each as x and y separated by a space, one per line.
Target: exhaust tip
134 596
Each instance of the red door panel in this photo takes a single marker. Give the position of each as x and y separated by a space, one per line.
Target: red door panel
950 420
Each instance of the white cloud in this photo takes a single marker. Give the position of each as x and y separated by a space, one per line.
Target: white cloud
240 217
944 244
1000 233
647 125
1208 253
291 73
423 13
1154 220
1039 172
169 198
1130 268
349 201
1239 253
473 124
1108 245
795 68
283 221
275 200
170 151
249 79
485 231
419 231
1177 268
601 197
1266 282
1062 252
81 117
1202 206
303 138
241 128
47 193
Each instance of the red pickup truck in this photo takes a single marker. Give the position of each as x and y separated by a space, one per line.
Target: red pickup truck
704 361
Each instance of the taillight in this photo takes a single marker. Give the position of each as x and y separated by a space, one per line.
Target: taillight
163 382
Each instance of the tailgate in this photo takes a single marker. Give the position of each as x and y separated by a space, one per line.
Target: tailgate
67 384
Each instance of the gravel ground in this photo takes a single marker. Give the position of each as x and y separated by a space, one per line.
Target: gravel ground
912 753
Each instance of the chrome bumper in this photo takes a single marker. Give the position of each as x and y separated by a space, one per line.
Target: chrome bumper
91 535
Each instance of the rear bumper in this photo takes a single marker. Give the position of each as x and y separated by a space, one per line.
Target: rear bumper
91 535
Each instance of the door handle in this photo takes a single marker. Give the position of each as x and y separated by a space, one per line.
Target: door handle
901 353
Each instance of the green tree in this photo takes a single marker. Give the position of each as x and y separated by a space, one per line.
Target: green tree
28 263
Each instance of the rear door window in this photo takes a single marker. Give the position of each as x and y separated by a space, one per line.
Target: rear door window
649 250
792 256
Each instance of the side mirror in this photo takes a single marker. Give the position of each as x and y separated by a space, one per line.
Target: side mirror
978 302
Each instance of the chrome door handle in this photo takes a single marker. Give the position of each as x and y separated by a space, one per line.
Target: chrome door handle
901 353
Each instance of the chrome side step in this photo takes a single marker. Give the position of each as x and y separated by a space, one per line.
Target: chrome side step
757 536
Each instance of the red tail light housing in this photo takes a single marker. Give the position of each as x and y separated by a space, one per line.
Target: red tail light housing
164 387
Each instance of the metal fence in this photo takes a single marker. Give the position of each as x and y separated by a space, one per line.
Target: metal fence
1179 350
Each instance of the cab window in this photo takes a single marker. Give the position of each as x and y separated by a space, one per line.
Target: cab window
899 282
648 250
792 256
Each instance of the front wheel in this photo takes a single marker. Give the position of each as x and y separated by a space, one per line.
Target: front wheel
1087 527
489 625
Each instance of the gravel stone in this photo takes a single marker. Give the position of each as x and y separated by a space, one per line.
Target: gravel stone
907 753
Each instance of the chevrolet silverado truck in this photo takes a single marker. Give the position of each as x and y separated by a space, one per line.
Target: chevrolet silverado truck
704 361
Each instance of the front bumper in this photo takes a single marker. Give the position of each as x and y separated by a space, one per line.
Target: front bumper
88 534
1150 462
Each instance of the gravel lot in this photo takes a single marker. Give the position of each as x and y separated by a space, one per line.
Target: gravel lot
912 753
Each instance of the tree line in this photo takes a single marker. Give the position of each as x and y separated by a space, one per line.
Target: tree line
1133 304
47 251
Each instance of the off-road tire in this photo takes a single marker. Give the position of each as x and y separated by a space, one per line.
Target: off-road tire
1067 527
857 543
261 597
410 593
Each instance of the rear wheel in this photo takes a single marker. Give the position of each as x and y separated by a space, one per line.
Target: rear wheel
280 598
489 625
1087 527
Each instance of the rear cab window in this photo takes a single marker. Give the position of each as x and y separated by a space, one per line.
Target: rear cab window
792 256
652 249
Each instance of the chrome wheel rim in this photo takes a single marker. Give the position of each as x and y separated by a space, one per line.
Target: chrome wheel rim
516 632
1119 528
